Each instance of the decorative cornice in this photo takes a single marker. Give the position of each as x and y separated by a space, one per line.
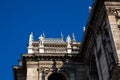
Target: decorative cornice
50 57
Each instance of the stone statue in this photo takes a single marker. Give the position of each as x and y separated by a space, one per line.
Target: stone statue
31 37
73 37
68 40
41 40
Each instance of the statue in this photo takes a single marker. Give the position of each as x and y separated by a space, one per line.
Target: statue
41 40
73 37
31 37
68 40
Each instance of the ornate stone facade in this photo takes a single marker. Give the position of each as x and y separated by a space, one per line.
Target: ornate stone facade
101 48
96 58
50 59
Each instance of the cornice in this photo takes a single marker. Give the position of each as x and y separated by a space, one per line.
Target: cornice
49 56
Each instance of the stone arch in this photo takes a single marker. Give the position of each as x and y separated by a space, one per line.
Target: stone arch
57 76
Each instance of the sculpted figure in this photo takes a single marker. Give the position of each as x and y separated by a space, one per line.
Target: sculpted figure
31 37
68 40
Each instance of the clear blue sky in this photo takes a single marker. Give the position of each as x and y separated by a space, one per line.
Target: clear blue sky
20 17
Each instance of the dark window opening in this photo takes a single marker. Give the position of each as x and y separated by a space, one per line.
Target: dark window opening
57 76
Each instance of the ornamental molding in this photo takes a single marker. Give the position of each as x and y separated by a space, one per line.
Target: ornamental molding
112 11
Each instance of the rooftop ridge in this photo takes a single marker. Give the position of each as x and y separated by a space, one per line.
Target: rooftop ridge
53 40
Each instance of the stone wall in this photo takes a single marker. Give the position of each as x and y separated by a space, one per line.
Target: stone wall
113 11
101 40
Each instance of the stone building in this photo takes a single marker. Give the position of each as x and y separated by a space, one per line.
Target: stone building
97 57
100 47
50 59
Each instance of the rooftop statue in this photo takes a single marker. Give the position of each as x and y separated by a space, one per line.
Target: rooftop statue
68 40
31 37
73 37
41 38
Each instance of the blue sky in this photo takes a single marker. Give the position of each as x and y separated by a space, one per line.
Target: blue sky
20 17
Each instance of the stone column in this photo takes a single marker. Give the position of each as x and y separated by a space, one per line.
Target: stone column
41 74
32 73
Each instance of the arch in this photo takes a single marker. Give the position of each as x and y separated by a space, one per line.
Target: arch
57 76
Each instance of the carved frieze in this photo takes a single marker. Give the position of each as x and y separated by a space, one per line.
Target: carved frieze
111 11
116 12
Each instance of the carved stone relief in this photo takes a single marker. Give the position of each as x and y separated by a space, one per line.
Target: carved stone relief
116 13
118 17
111 11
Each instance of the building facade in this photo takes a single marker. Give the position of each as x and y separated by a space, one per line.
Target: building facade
51 59
97 57
100 47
